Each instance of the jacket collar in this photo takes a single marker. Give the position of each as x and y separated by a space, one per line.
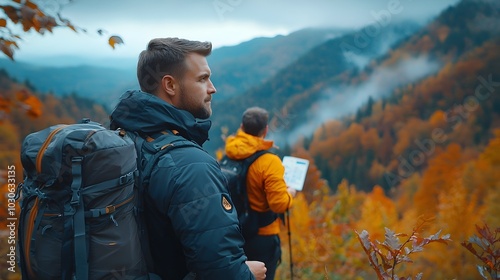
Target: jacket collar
147 114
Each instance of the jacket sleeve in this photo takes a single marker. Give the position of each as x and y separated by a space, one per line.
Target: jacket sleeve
206 226
276 190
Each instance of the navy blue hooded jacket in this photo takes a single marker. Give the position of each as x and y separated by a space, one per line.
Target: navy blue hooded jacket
189 228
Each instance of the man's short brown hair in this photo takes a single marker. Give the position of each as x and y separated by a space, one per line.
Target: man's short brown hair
166 56
254 121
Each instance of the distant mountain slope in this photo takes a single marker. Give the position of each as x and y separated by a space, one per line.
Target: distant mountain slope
101 84
339 76
238 68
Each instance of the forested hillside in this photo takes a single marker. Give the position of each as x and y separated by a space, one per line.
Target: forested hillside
427 149
446 101
431 152
25 111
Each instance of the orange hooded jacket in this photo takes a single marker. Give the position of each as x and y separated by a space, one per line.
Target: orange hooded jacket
266 186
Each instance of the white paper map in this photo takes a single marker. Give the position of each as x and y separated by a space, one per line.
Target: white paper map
295 171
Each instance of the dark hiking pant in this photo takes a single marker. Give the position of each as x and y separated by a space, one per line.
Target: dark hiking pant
265 248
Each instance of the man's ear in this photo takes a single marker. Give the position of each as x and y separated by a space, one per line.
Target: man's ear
168 85
264 132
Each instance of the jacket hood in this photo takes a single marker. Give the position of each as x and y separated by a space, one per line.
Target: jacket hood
243 145
147 114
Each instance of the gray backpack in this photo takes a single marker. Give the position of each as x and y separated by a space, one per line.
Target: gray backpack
79 214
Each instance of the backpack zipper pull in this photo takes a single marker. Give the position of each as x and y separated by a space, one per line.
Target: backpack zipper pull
113 219
18 191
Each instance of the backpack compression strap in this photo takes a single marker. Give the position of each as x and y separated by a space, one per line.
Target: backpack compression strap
80 246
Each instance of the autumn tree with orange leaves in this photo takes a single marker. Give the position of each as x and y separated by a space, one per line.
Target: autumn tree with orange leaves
40 18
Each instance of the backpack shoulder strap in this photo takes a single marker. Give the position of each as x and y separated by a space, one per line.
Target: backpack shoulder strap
149 150
249 160
244 170
264 218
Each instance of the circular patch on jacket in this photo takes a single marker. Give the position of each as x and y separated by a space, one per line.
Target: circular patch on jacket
226 204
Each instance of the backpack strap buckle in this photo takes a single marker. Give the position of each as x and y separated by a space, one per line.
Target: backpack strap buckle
125 178
110 209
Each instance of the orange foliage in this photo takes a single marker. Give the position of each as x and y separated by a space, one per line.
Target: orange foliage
350 140
442 33
21 99
377 213
425 44
437 120
456 214
377 170
413 130
370 140
442 175
482 180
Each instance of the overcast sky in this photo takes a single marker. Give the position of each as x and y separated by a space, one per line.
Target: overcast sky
223 22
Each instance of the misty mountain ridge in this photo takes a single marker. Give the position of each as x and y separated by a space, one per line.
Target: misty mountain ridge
445 40
341 101
238 68
337 75
310 75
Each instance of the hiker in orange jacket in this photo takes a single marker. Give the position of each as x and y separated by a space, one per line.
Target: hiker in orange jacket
266 187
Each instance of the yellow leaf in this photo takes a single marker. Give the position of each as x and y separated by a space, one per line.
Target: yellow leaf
115 40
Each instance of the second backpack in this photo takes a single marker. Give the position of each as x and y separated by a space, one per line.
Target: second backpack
235 172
